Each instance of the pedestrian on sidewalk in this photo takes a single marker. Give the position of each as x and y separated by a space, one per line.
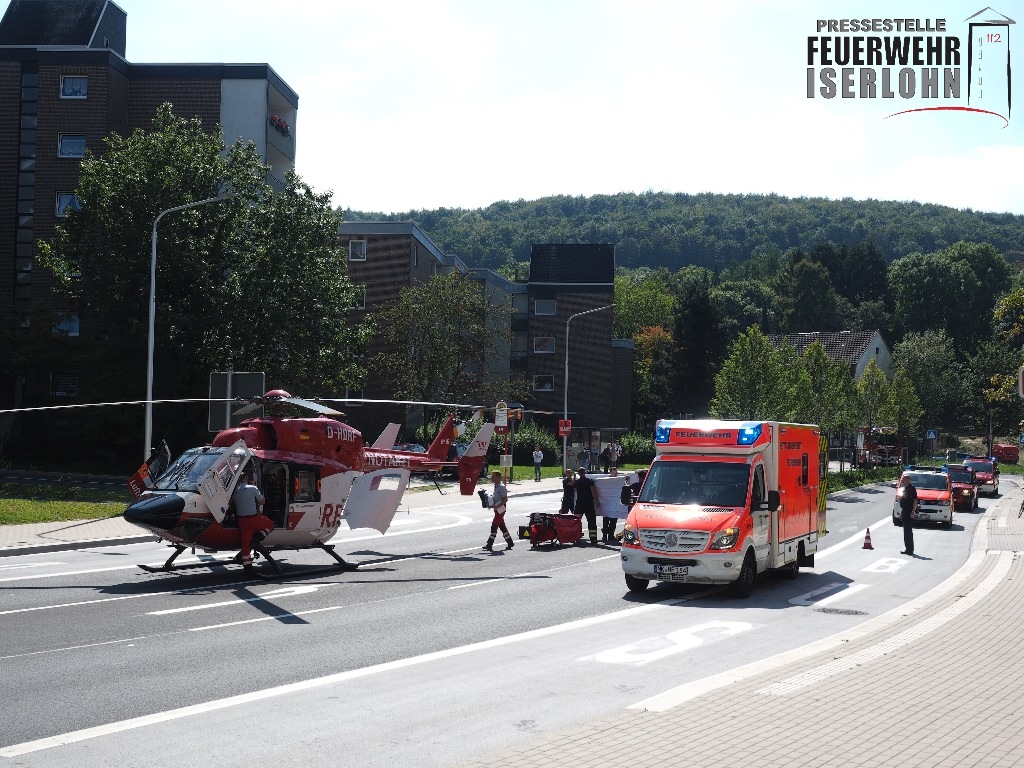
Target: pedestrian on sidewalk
249 502
908 510
586 502
538 457
498 501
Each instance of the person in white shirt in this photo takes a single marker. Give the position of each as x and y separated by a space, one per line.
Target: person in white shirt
538 457
249 502
498 501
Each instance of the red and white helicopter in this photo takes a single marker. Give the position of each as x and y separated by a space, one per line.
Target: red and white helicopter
314 472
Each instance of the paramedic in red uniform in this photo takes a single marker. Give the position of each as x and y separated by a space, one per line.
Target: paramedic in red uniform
498 501
249 509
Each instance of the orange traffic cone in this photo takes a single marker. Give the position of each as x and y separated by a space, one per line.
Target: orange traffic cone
867 540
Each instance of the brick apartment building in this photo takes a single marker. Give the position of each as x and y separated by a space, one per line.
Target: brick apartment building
385 257
64 85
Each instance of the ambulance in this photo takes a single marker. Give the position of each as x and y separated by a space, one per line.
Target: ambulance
724 501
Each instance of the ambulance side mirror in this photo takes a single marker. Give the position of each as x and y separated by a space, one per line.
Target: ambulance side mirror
773 501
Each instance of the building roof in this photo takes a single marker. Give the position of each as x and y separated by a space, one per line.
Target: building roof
847 346
51 22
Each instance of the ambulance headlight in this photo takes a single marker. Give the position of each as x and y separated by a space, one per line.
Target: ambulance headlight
630 535
725 539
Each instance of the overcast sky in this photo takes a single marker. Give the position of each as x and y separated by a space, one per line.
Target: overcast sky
412 104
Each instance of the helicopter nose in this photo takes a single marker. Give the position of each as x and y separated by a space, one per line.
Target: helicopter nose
161 512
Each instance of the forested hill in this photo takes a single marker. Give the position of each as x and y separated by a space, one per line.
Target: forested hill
674 230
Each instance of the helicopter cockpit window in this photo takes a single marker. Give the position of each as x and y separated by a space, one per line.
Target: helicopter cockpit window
306 486
185 473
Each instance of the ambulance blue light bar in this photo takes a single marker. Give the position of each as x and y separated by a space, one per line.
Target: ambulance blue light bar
708 433
749 433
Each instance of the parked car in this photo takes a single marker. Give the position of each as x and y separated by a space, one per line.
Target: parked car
934 496
453 471
986 469
409 447
965 486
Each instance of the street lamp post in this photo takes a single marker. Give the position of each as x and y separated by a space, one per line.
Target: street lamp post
152 314
565 380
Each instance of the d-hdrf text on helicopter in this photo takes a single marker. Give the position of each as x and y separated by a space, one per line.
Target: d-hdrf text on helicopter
314 473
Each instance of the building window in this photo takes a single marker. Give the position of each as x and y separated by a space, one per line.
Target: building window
66 325
356 396
359 300
64 384
66 200
544 345
74 87
71 145
544 307
357 250
543 383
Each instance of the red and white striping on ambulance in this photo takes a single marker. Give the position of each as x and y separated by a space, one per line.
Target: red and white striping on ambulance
726 500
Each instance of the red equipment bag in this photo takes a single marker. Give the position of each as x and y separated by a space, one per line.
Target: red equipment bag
542 528
568 528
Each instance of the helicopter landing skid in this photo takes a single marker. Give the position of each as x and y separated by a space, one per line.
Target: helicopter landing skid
345 565
169 566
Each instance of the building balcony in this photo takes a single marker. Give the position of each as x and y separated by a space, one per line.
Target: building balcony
283 144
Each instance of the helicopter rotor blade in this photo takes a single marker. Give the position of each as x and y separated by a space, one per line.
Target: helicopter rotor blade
312 406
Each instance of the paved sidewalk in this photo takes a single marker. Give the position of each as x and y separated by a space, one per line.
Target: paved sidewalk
80 534
938 682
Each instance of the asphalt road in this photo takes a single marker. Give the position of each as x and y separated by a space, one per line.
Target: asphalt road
432 652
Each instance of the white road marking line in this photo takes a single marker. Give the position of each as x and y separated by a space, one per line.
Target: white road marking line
531 573
14 750
673 697
843 593
72 648
906 637
301 589
808 597
27 565
852 539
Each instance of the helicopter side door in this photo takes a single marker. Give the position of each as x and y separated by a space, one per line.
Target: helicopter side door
219 482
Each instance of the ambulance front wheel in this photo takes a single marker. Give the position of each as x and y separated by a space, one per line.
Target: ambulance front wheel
744 583
633 584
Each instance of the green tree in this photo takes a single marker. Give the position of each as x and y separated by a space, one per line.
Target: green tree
252 283
872 394
642 300
652 374
440 341
701 345
902 409
828 386
929 360
752 381
809 301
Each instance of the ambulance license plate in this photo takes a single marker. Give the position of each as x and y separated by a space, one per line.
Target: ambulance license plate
671 570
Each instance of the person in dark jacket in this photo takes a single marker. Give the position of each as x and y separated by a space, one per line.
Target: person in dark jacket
908 508
587 502
568 492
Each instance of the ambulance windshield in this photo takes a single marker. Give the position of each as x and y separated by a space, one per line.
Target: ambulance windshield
707 483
